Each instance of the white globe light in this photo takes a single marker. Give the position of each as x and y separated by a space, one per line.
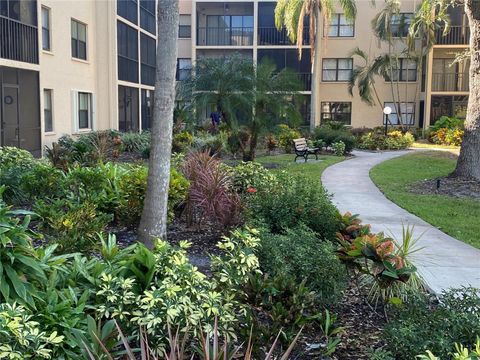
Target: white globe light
387 110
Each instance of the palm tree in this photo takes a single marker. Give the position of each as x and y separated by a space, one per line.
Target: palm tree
468 164
291 14
223 83
262 94
274 95
153 223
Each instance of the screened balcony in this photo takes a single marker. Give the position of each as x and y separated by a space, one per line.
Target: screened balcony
225 36
269 35
445 82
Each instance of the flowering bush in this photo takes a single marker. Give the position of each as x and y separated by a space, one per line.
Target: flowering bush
247 175
447 131
395 140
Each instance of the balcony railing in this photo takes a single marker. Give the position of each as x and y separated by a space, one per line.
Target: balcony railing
306 80
450 82
458 35
18 41
231 36
272 36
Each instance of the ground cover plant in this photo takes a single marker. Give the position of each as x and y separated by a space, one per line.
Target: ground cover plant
394 140
410 181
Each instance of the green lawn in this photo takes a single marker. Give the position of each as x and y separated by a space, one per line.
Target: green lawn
311 169
424 144
457 217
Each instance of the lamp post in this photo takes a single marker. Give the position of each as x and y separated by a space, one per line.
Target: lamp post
387 110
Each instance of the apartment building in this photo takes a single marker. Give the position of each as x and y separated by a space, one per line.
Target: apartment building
69 67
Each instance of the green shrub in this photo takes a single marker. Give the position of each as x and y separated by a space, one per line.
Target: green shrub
132 186
331 135
279 304
250 175
135 142
294 200
300 254
424 324
12 156
43 181
395 140
338 148
446 122
181 142
286 135
214 143
20 268
73 225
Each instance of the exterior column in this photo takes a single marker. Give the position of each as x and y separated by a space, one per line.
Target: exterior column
428 89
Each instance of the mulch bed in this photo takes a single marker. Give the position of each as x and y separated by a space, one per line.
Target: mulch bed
363 326
449 186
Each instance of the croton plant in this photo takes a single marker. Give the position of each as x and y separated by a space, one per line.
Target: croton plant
371 254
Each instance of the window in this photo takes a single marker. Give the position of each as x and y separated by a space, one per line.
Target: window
337 111
337 69
84 111
407 114
148 59
127 46
79 40
46 29
185 27
128 10
404 70
400 24
184 67
340 26
147 16
47 110
147 108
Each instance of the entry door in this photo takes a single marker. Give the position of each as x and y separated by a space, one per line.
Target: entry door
10 118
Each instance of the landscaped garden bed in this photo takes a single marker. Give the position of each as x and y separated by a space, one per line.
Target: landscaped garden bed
252 253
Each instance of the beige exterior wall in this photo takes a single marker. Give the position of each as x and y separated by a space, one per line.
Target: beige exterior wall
65 75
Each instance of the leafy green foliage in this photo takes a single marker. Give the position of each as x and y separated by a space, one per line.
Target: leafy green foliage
181 142
250 175
73 225
395 140
446 122
292 201
135 142
300 255
286 135
424 324
20 268
21 337
338 148
12 156
461 353
330 134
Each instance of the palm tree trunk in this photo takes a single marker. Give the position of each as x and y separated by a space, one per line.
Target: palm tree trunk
468 164
316 74
153 223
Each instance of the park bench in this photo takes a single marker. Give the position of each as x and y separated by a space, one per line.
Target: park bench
302 149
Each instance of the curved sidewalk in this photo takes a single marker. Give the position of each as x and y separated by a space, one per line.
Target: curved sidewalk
443 263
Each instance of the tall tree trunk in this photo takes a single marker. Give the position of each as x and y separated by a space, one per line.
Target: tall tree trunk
316 74
153 223
468 165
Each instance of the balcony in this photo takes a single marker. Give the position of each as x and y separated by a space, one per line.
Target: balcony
444 82
18 41
306 80
458 35
225 36
273 36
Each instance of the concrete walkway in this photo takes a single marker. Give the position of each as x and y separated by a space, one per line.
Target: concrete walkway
443 263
